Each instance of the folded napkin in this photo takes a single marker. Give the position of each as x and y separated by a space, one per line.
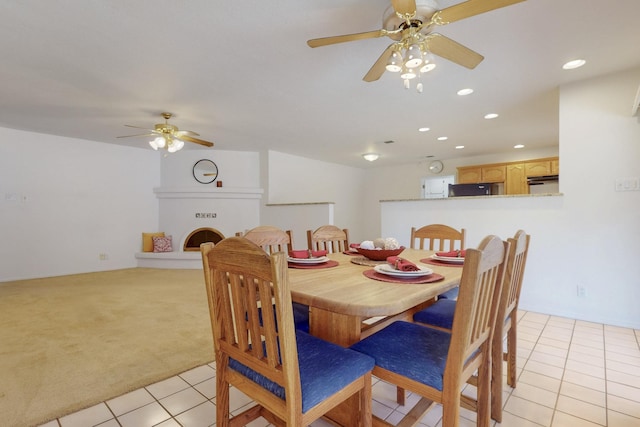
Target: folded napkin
402 264
452 254
305 253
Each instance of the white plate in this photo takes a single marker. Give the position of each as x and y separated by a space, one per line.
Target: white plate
451 259
318 260
390 271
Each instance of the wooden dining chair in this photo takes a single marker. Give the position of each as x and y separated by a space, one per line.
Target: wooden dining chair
329 238
273 239
441 315
293 377
437 237
436 364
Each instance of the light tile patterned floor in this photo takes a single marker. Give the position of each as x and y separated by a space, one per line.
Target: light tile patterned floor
570 374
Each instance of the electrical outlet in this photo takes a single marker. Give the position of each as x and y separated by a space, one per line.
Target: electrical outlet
103 257
581 291
628 184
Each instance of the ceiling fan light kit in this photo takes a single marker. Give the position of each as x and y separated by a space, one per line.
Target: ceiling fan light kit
410 24
168 136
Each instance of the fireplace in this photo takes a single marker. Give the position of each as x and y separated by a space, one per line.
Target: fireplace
195 215
201 235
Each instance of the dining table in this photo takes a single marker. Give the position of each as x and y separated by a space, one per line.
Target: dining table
348 300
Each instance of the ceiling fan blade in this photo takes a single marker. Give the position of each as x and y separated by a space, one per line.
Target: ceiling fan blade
469 8
404 7
197 141
180 133
139 134
453 51
324 41
378 68
138 127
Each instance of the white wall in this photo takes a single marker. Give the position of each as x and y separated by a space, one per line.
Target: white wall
294 179
64 201
236 169
587 237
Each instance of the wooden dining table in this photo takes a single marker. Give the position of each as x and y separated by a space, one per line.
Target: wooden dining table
346 306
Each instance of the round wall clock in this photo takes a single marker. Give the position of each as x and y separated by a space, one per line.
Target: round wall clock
435 166
205 171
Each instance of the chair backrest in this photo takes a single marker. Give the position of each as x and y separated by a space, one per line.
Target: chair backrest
439 237
477 305
241 279
329 238
271 239
514 274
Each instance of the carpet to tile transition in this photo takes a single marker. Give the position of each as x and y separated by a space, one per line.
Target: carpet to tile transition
70 342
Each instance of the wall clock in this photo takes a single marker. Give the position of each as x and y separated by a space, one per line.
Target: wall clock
435 166
205 171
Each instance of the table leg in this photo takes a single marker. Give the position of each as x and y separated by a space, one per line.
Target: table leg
338 328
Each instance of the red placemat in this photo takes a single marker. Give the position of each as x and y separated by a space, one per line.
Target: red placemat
442 263
350 253
327 264
372 274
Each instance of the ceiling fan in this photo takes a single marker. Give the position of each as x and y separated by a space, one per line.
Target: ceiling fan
410 23
169 136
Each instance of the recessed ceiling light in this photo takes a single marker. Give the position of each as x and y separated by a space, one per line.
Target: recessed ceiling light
490 116
424 130
443 138
459 147
371 156
518 146
463 92
576 63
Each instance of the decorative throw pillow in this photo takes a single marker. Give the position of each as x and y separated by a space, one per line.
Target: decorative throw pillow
147 240
162 244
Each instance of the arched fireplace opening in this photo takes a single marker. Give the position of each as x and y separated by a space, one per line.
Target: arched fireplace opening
201 235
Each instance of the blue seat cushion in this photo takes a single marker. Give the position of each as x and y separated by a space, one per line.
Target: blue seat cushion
325 368
450 294
411 350
301 316
439 314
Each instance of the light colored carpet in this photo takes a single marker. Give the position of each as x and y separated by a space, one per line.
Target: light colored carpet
70 342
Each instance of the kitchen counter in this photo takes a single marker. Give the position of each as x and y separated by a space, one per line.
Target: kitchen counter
498 196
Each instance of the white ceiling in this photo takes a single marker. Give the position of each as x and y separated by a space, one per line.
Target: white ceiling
241 75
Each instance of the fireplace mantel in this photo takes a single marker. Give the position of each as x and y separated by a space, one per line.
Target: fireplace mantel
207 193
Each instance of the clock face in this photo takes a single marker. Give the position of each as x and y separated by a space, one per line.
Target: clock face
205 171
435 166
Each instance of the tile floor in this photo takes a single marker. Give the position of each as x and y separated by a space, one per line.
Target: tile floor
571 374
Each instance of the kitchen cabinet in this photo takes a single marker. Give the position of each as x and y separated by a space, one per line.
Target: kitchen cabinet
516 179
538 168
470 175
493 173
513 174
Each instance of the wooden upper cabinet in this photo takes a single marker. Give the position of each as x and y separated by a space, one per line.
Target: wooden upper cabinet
538 168
469 175
493 173
516 182
513 174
